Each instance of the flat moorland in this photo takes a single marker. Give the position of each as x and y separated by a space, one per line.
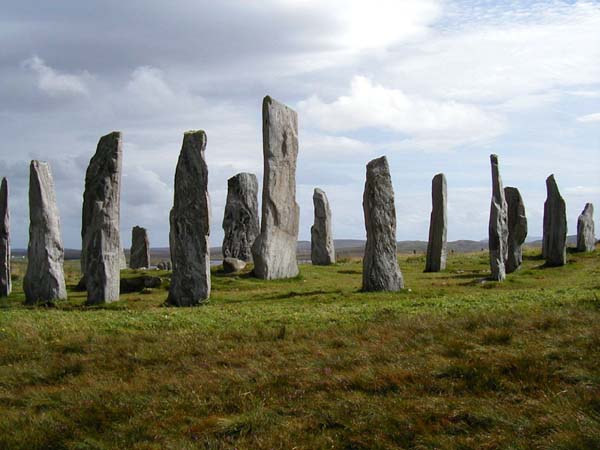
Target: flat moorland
309 363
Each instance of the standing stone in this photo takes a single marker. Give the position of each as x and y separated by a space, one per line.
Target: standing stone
101 242
438 226
5 282
498 227
554 244
140 249
44 281
517 228
190 225
240 221
380 263
274 250
122 259
586 241
322 251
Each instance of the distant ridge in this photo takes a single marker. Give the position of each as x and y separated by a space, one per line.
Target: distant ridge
343 247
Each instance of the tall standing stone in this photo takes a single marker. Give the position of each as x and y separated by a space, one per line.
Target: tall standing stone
380 263
498 227
122 259
240 222
101 241
554 244
190 225
44 281
586 241
438 226
5 281
517 228
322 251
274 250
140 248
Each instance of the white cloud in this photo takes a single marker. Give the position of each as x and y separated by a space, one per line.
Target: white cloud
374 106
504 55
55 83
589 118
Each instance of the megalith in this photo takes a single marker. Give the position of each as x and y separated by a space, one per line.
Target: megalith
322 250
517 228
100 235
380 263
44 281
586 240
498 226
554 244
274 250
5 281
240 221
438 226
190 225
139 256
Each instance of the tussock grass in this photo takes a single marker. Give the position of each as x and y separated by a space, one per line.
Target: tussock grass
309 363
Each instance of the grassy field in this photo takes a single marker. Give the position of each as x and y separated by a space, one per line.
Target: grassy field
453 362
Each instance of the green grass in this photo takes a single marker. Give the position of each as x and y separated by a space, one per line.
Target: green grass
454 362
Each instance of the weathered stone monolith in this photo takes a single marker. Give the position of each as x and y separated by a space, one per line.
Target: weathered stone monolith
122 259
517 228
140 249
322 250
586 240
240 221
44 281
101 241
498 227
380 263
274 250
554 244
5 281
438 226
190 225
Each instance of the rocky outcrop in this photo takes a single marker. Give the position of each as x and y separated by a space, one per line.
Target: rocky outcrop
380 263
586 240
240 222
233 265
101 241
438 226
498 226
5 281
190 225
44 281
517 228
140 249
554 243
274 250
322 251
137 284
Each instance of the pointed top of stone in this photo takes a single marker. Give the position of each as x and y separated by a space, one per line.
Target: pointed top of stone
588 210
551 186
318 192
378 165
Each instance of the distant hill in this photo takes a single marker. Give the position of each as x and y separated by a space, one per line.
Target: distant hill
343 247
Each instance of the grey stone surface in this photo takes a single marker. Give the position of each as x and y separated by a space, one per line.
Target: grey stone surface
322 250
554 242
380 263
233 265
140 248
44 281
586 240
517 228
498 226
190 225
438 226
5 281
137 284
101 241
164 265
274 250
122 259
240 221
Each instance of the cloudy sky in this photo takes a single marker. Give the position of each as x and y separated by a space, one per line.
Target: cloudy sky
435 85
